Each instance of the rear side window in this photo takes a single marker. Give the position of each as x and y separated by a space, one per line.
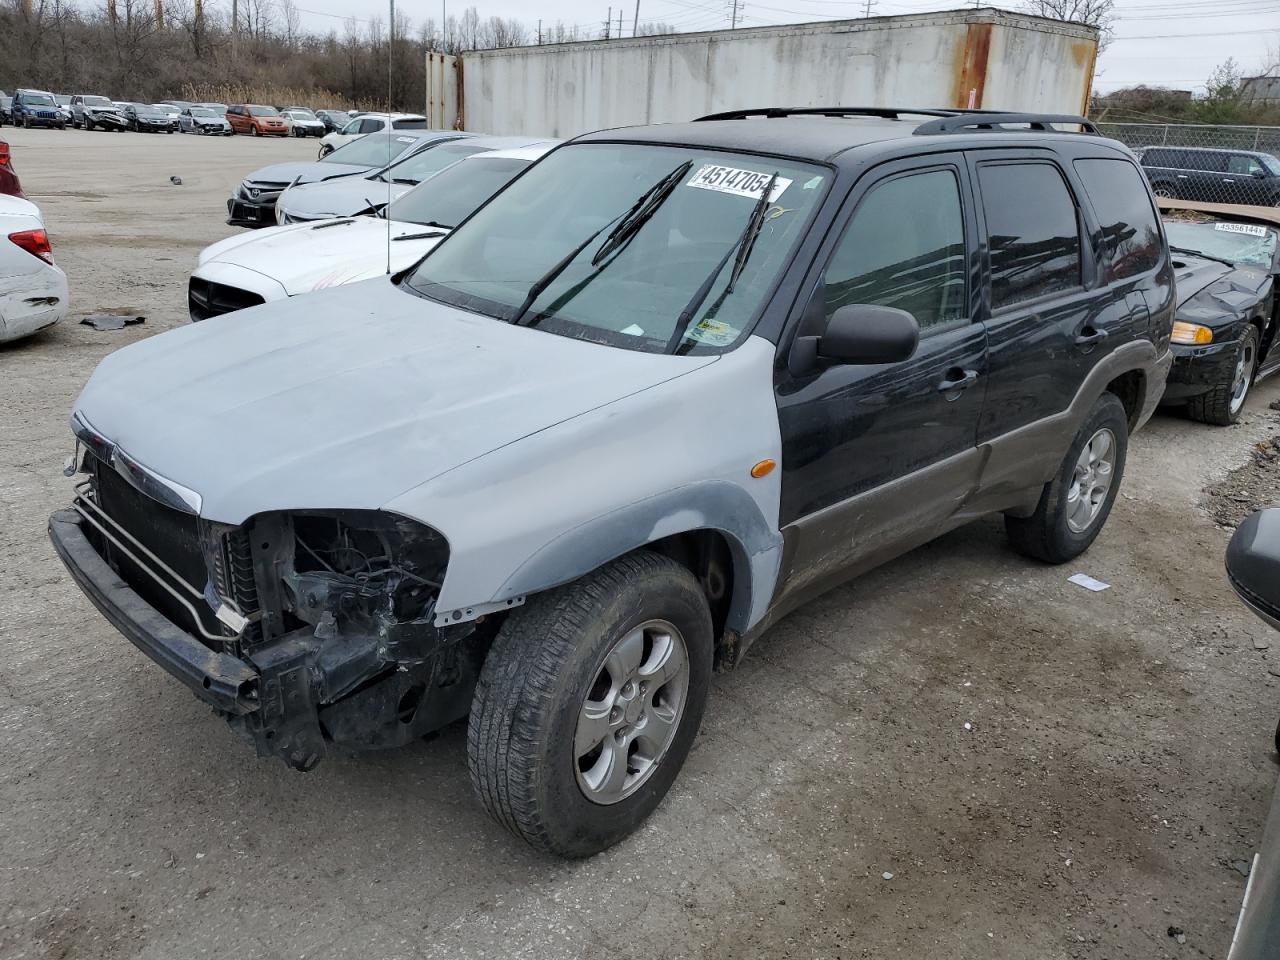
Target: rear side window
369 125
1213 162
1130 232
1032 230
409 125
904 248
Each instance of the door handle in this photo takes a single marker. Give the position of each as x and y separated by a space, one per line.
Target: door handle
1183 176
1228 181
1089 335
958 380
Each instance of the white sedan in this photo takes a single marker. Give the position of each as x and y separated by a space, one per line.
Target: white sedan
302 123
33 291
279 262
368 123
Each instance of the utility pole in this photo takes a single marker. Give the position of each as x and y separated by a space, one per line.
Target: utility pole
608 24
867 10
635 23
539 33
734 13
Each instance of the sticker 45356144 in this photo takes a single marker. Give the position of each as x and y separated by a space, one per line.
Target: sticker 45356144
1249 229
742 183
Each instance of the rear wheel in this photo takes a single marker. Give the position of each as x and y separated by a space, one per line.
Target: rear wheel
1223 405
1166 190
1075 504
588 704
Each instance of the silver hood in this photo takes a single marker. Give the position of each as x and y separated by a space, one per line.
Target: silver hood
337 198
304 172
345 398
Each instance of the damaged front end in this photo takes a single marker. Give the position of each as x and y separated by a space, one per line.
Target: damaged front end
304 630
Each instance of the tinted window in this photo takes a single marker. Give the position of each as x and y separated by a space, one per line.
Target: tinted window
453 195
1130 234
1032 231
1214 162
1239 163
904 248
409 125
369 126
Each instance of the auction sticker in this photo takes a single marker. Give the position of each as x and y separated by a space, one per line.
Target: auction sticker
714 332
1251 229
742 183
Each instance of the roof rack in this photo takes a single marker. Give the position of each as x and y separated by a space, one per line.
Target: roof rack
886 113
994 123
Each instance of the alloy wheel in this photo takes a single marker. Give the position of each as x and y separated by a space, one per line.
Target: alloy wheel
632 712
1091 481
1242 380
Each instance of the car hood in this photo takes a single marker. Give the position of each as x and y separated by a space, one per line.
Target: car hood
314 256
1192 274
347 398
338 198
304 172
1214 294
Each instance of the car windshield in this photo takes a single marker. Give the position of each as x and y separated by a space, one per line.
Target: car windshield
454 194
97 102
1238 242
373 150
431 161
38 100
302 114
201 112
563 249
1271 163
263 112
148 111
63 101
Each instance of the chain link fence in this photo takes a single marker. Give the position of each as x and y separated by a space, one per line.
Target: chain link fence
1218 164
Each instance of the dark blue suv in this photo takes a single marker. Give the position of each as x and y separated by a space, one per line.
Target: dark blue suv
34 108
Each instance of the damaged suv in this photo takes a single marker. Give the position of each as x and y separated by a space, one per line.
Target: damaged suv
667 385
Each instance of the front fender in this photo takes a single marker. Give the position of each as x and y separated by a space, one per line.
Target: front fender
670 458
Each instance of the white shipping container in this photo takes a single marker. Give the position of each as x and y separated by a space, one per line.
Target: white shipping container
967 58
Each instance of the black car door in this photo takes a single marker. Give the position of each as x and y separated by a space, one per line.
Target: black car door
877 457
1243 182
1047 325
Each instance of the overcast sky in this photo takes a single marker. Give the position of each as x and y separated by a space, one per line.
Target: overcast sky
1172 43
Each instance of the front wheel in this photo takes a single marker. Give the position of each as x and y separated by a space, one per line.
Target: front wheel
1223 405
1075 504
588 704
256 131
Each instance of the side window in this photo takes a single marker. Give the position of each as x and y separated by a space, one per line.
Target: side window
904 248
1213 162
1032 229
352 128
1130 233
1241 164
370 125
1158 158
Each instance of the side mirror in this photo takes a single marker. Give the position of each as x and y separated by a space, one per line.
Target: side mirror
866 333
1253 564
1259 174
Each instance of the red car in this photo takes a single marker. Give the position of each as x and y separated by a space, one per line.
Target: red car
8 179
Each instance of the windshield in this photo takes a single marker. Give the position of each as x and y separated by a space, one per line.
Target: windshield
1237 242
63 101
302 115
1271 163
662 283
431 161
454 194
148 112
97 102
201 112
263 112
39 99
373 150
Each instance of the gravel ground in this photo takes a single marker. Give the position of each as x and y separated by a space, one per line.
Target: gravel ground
1045 772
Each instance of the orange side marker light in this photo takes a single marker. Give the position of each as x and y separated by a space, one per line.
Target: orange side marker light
763 468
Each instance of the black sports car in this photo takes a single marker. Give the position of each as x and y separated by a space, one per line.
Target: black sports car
1227 261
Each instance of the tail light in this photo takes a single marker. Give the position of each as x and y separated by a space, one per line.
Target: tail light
4 154
35 242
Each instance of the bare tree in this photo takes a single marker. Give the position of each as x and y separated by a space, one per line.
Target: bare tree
292 19
1096 13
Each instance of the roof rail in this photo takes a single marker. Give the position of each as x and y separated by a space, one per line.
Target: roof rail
887 113
994 123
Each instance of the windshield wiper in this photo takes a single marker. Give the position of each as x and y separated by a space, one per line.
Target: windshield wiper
1203 255
745 244
641 212
421 236
549 277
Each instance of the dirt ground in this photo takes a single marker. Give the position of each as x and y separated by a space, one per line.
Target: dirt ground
1047 773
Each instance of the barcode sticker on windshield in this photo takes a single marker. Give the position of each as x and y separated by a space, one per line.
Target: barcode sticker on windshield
1251 229
742 183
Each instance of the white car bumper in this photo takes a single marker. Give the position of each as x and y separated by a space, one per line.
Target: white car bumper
31 302
216 288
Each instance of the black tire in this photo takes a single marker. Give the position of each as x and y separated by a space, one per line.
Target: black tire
1167 190
1219 407
534 683
256 131
88 124
1047 535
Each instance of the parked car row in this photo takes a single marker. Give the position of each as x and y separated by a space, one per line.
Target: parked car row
571 424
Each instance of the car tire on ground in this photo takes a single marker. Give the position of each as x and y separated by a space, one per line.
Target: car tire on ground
1075 504
588 704
1166 190
256 131
1223 405
88 124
